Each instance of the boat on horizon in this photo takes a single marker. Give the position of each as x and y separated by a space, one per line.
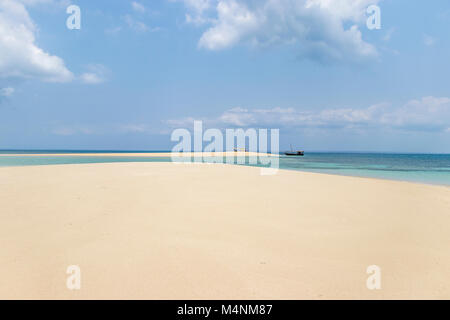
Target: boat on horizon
298 153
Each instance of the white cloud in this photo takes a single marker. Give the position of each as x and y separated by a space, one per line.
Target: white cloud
91 78
20 57
135 128
428 40
96 74
135 24
138 26
198 5
426 114
138 7
325 30
235 21
196 9
387 37
6 92
113 30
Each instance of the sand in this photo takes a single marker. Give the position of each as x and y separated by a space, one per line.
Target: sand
216 231
140 154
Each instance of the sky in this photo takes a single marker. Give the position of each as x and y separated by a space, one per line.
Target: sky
137 70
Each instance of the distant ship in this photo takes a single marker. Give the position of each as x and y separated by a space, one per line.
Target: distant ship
298 153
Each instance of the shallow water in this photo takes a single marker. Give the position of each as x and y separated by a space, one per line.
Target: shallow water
424 168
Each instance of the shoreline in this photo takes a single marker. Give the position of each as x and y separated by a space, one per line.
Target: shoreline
192 155
147 155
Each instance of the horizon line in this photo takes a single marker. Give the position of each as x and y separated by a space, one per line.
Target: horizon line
168 151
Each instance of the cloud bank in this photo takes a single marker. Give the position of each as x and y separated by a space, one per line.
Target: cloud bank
96 74
20 56
324 30
429 114
138 7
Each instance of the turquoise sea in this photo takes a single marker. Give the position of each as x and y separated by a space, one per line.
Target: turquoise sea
423 168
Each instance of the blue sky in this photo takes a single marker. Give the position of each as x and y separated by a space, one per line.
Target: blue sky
136 70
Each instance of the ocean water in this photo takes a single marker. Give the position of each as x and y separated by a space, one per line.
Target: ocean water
422 168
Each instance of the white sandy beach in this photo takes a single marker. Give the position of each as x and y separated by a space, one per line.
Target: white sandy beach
214 231
140 154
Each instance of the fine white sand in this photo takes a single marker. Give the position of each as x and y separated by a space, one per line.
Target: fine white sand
213 231
141 154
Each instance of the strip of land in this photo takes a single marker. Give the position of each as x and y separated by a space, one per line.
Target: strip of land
216 231
143 154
